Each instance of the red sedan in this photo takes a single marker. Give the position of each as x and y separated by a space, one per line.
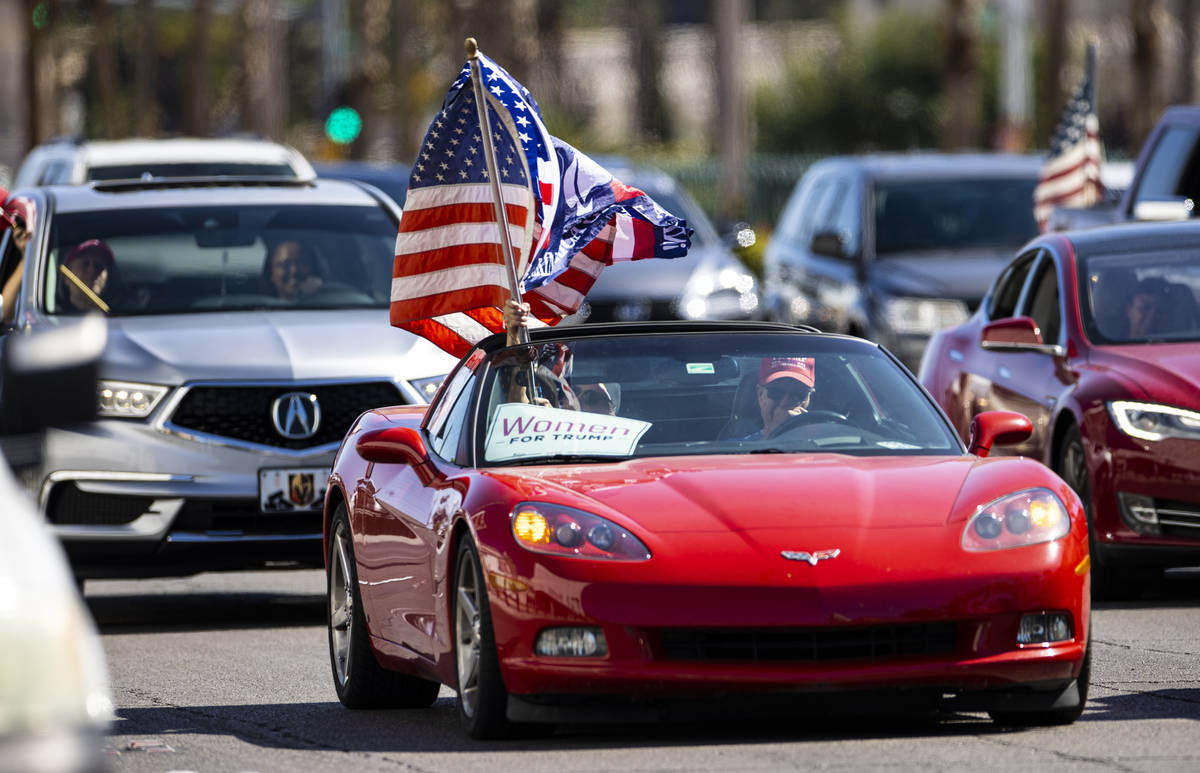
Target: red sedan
688 518
1093 335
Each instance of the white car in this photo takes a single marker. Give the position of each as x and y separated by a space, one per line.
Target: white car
72 163
55 697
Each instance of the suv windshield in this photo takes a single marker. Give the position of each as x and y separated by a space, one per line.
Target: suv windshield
173 260
953 214
605 399
1136 297
192 169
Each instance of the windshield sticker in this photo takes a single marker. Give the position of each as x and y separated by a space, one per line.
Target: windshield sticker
700 368
522 430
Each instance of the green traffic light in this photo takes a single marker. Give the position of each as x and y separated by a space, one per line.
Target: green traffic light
41 15
343 125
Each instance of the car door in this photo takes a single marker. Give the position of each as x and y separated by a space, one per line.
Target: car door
406 526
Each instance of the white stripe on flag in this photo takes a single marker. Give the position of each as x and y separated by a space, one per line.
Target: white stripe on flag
457 277
441 237
473 193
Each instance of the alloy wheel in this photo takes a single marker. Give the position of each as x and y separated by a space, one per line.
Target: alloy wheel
467 635
341 606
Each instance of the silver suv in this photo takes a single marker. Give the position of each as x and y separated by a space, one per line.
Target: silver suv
247 328
69 162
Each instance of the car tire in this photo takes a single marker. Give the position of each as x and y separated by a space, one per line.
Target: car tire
360 681
482 697
1108 582
1075 696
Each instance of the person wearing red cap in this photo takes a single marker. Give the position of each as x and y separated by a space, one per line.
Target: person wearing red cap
785 386
88 265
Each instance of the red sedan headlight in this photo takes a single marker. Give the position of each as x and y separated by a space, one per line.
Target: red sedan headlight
565 531
1024 518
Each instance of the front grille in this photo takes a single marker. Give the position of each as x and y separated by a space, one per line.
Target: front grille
244 412
68 506
810 644
1178 519
206 516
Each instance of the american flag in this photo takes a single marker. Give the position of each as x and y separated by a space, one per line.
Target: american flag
568 219
1070 177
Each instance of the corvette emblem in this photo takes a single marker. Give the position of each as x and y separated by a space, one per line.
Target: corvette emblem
813 557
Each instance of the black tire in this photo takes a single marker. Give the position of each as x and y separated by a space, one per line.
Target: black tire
1108 581
360 681
482 697
1076 696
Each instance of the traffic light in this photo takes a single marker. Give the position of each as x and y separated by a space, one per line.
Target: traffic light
343 125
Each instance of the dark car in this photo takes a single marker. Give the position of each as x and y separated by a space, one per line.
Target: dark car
709 283
1094 336
896 247
391 178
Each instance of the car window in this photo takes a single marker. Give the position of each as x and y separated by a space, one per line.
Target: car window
953 214
1137 296
1173 168
56 172
198 259
195 169
846 218
1042 303
1007 290
796 223
445 426
601 398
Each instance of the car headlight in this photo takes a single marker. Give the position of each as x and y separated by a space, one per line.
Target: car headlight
1149 421
427 387
923 316
728 293
1016 520
128 400
565 531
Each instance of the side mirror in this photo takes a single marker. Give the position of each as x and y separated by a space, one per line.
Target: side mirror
828 243
1004 428
393 445
49 378
1015 334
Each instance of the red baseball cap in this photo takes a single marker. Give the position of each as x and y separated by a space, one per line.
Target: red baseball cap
799 368
92 246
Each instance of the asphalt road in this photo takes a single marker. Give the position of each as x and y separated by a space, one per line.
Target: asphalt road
220 673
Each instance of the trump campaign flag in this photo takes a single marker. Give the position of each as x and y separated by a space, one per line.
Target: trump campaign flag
1070 177
567 219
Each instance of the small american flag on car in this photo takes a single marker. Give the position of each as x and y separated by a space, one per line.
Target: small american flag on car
1070 177
568 218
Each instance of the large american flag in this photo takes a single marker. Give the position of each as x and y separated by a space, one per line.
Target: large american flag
568 218
1070 177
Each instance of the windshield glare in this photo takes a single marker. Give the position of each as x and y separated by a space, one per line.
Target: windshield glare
176 260
606 399
953 214
1142 297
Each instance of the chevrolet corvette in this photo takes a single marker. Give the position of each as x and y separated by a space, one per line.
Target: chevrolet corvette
680 519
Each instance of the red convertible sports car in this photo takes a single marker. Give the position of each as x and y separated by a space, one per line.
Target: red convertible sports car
1094 336
693 517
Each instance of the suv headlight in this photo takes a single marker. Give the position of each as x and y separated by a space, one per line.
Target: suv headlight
727 293
923 316
427 387
1016 520
127 399
1150 421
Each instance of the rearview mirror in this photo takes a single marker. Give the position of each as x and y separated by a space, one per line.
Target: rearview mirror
997 428
393 445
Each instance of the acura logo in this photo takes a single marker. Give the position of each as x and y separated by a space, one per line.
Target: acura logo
813 557
296 415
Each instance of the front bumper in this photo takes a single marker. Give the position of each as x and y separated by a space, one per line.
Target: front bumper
127 500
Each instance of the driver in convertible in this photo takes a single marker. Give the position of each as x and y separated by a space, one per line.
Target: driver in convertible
785 386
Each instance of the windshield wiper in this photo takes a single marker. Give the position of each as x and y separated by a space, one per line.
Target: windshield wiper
563 459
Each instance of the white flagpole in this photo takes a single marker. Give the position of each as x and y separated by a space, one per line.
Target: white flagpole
489 155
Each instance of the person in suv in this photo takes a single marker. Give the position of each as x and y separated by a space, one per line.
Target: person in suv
895 247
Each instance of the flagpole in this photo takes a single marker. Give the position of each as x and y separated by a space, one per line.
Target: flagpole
489 155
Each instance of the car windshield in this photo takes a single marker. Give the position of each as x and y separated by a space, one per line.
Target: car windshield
173 260
609 398
1136 297
953 214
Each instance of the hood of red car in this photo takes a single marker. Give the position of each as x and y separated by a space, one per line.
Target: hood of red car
747 493
1163 373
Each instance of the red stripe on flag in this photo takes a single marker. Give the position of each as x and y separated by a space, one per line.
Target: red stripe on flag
434 217
439 335
446 303
436 260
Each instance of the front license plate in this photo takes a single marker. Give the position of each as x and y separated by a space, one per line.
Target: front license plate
287 490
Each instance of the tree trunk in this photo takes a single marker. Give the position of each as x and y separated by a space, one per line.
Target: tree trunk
729 18
105 58
264 91
1148 91
145 102
962 65
197 107
1187 57
645 39
1052 96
